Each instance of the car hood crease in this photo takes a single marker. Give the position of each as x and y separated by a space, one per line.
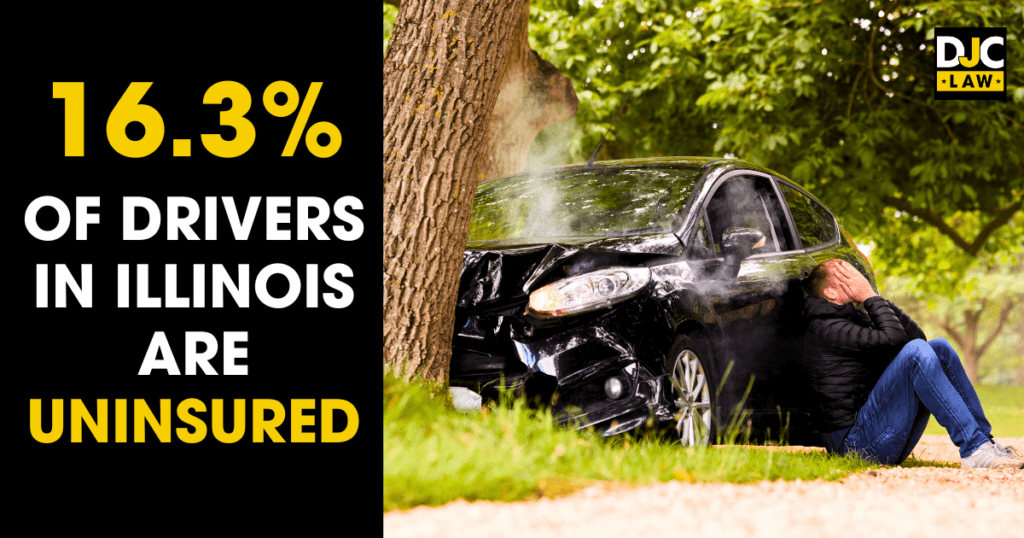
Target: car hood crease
491 278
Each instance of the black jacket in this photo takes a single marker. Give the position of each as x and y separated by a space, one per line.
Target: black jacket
846 351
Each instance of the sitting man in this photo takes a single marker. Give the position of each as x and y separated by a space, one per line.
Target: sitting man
877 379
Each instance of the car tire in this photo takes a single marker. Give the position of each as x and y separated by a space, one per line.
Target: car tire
692 389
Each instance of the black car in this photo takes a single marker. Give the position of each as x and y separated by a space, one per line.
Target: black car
665 289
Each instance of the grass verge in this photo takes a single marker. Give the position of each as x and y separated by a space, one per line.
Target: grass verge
434 455
1004 409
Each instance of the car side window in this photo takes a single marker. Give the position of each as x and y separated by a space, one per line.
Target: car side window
701 244
814 225
747 202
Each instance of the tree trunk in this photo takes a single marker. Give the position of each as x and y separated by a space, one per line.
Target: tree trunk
970 354
971 360
534 94
441 80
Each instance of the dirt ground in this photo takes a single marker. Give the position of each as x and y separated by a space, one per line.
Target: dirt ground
892 502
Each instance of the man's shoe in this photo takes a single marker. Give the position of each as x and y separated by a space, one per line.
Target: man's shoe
1009 449
990 456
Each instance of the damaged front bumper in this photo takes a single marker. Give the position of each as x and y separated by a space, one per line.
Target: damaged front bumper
602 371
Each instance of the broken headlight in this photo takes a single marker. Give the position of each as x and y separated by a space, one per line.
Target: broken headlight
590 291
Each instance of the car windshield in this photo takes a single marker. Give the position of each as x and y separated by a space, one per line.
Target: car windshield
581 203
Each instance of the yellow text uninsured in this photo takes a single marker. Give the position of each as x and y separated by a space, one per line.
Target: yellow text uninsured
191 412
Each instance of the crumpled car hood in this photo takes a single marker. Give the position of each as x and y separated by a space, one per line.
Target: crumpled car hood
496 273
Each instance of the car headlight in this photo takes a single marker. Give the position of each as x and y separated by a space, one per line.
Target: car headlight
590 291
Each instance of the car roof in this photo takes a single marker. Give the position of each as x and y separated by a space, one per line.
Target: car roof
709 163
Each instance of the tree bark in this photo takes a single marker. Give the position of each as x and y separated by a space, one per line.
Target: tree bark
970 353
441 80
534 94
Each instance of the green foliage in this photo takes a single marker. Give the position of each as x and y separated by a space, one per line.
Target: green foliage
927 264
831 94
434 454
828 93
611 52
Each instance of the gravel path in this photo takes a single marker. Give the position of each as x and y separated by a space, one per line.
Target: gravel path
893 502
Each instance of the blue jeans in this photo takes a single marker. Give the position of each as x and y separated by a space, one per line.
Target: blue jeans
925 378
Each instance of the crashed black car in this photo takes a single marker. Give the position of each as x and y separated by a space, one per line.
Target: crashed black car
665 289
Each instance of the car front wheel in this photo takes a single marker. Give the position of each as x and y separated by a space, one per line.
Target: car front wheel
691 390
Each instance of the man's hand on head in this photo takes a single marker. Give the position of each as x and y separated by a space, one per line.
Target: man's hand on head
853 284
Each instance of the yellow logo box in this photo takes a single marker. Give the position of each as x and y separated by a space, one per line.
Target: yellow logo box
969 81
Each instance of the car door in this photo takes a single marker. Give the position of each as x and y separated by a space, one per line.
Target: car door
819 232
759 312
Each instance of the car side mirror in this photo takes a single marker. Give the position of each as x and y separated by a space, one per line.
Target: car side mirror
737 245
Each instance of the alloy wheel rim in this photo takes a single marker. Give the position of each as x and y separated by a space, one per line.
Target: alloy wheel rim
693 400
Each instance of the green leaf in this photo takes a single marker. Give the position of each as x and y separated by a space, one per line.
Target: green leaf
850 145
866 158
802 172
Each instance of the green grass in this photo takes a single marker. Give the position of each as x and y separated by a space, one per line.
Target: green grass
1004 409
434 454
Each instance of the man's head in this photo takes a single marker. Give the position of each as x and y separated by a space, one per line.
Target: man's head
824 283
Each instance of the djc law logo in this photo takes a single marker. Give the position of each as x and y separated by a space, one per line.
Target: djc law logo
970 63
